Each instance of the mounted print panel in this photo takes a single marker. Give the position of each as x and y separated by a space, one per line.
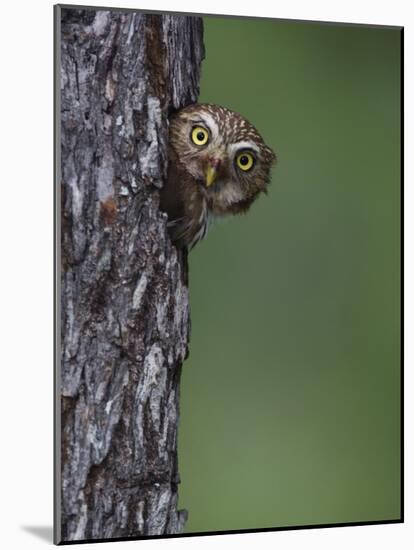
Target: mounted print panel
228 228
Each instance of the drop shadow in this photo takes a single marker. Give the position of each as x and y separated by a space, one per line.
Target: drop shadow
44 532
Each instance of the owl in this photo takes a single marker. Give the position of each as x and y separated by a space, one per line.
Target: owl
218 164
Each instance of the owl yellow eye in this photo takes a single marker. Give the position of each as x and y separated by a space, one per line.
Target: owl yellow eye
245 161
199 135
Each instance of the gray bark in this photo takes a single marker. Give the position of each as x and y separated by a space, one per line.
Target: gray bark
124 298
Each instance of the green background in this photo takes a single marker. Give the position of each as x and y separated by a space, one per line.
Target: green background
290 398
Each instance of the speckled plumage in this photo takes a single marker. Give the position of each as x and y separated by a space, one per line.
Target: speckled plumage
207 181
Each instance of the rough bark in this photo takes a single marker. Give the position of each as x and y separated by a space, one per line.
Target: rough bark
124 299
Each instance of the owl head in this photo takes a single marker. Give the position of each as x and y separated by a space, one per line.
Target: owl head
224 153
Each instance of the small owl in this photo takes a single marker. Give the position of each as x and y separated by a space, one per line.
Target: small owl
218 164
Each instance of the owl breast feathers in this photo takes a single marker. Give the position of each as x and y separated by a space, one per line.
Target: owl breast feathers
218 164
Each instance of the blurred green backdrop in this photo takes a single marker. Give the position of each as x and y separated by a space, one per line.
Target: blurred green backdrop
290 397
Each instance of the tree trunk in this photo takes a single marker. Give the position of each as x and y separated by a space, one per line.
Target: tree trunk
124 307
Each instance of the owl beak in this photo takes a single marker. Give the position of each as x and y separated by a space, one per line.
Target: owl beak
212 170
